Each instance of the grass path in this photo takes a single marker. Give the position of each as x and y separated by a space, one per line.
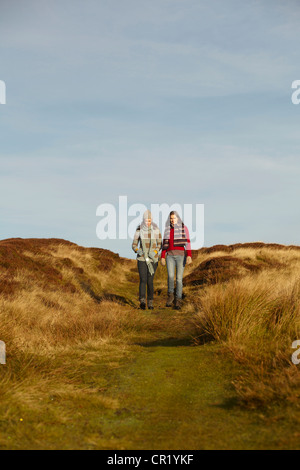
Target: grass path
176 395
157 392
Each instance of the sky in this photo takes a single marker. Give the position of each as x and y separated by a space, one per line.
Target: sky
168 101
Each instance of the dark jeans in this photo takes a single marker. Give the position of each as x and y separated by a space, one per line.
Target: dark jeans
146 280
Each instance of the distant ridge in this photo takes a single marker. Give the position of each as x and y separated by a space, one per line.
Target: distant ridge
39 243
230 248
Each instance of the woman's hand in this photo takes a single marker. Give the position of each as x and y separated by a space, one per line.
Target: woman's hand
152 255
163 262
189 260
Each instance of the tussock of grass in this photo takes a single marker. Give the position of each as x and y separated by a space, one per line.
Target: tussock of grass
256 318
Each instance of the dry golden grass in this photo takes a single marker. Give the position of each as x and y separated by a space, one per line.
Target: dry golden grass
256 318
55 318
61 305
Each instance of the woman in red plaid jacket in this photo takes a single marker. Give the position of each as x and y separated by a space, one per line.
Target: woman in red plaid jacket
176 253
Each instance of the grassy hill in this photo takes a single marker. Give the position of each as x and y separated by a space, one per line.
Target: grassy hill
75 337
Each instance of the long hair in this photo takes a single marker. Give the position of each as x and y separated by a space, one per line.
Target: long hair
179 221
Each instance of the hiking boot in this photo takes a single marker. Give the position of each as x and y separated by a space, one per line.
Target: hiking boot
170 299
150 305
178 303
143 304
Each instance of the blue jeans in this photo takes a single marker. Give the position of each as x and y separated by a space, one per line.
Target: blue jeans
178 262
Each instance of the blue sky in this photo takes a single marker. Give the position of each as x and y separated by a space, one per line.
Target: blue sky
163 101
